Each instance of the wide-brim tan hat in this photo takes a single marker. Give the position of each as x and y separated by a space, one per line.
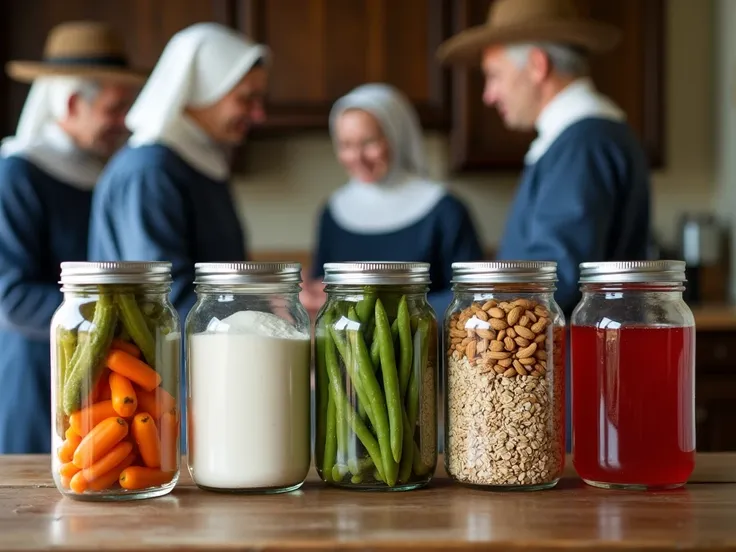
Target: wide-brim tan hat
87 49
516 21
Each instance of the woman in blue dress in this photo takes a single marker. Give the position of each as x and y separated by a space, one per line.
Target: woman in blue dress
389 210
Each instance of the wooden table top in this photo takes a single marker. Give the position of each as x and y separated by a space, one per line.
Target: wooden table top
716 317
701 516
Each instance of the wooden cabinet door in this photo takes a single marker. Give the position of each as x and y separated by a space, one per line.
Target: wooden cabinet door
324 48
146 25
479 139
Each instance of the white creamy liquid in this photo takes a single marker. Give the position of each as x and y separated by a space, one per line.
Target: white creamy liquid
249 403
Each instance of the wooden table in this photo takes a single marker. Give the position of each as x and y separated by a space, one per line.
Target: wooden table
701 516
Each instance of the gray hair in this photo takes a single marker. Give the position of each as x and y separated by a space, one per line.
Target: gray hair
565 59
66 87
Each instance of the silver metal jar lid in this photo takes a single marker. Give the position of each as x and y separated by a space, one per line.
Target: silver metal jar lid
504 272
247 273
632 272
115 272
377 273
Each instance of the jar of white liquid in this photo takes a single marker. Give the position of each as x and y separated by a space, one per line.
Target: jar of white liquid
248 361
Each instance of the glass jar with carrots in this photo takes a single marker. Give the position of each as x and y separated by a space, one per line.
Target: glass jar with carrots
115 360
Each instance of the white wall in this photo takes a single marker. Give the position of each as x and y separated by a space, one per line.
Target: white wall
291 178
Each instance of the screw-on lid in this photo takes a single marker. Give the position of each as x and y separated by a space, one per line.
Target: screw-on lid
247 273
632 272
115 272
504 272
377 273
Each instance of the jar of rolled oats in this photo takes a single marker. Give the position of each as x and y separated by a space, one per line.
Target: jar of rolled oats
504 338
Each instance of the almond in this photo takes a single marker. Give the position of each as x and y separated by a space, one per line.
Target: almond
470 350
501 335
496 346
539 310
499 355
481 346
539 368
481 314
540 339
525 332
514 315
485 334
511 333
539 325
525 303
509 344
531 316
470 332
510 373
529 361
489 305
495 312
506 362
454 332
526 352
524 321
467 340
520 370
499 369
536 374
498 324
505 306
460 325
522 341
541 354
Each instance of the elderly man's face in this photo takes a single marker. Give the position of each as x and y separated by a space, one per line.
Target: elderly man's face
98 124
227 122
511 89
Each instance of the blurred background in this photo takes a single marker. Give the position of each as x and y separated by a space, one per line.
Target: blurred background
673 74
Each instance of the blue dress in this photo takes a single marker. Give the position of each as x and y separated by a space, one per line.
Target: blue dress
43 222
443 236
150 205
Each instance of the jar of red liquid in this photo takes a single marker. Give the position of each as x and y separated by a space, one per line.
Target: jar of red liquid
633 376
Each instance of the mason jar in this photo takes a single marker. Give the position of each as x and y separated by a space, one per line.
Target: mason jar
633 376
248 373
504 340
376 377
115 362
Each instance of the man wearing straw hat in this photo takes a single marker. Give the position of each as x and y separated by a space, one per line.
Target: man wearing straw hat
72 121
584 193
166 195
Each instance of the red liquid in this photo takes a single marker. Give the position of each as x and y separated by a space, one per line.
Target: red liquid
633 405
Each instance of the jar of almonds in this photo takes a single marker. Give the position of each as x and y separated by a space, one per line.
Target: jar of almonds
505 367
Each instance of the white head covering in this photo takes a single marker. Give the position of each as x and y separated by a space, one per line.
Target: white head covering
40 140
199 66
405 195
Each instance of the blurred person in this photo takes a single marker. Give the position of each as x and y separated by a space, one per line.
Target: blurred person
584 194
166 196
72 121
389 210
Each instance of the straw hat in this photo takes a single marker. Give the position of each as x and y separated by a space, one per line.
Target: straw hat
79 49
514 21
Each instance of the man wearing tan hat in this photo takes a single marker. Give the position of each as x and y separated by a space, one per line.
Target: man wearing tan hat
584 193
72 121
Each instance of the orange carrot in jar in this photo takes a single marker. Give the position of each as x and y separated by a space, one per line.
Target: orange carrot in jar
110 479
109 461
135 478
98 442
105 393
155 402
71 432
135 370
97 390
126 346
65 482
68 470
82 421
169 430
78 483
68 448
146 437
124 399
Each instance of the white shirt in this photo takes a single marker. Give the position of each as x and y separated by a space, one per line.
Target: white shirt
577 101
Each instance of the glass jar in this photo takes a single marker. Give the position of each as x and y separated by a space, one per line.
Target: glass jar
505 369
376 377
633 376
248 370
115 363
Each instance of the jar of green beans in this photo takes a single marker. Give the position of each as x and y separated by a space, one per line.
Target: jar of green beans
376 377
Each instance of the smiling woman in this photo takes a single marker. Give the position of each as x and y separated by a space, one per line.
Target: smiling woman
389 210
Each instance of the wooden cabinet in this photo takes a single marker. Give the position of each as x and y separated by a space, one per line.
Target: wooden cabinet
324 48
632 75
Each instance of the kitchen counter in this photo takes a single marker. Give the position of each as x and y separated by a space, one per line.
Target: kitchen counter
34 516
